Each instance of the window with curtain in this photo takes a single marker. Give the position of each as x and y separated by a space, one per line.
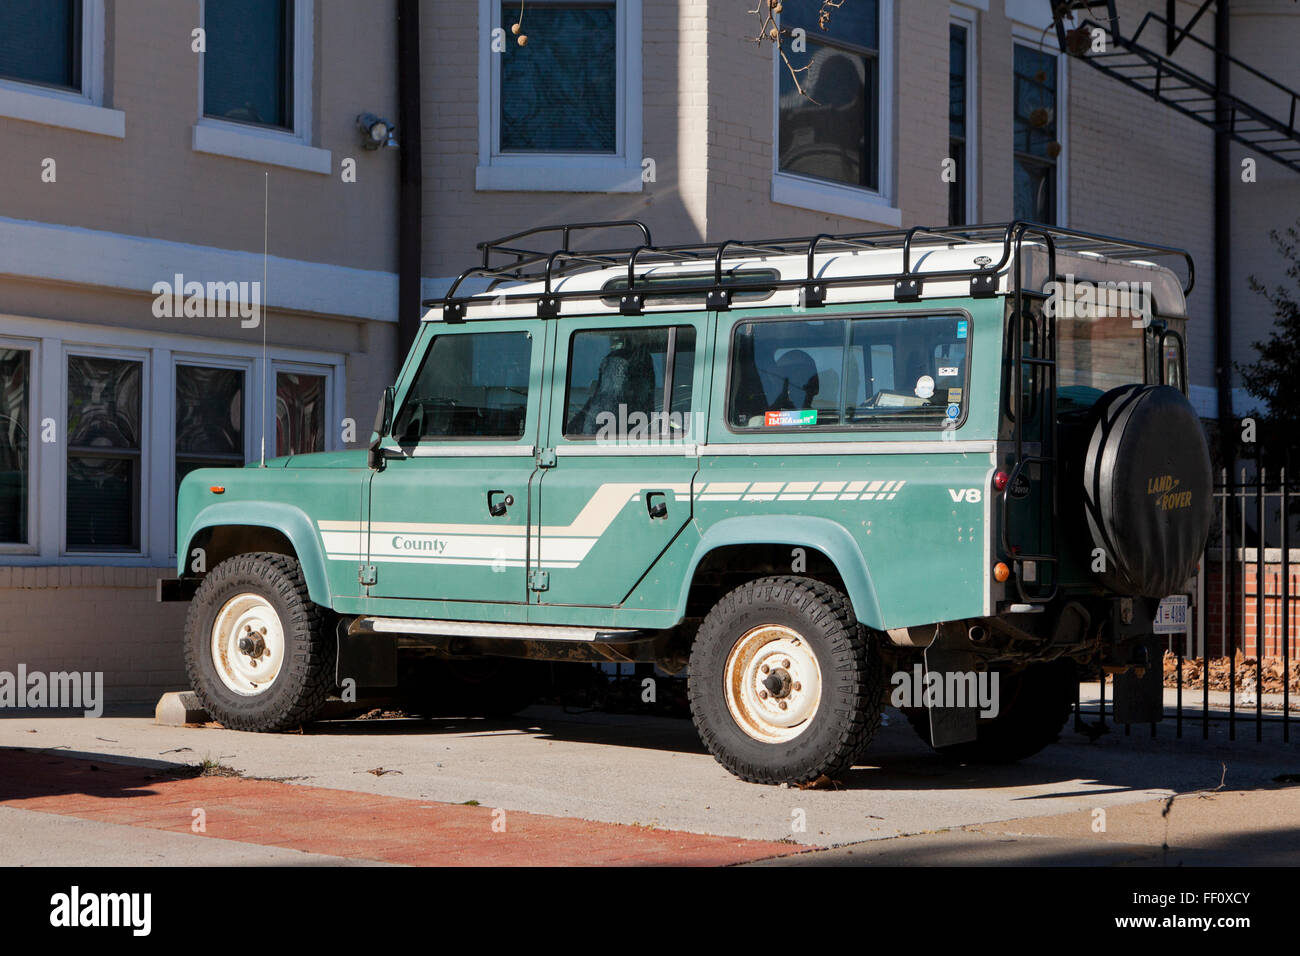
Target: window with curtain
15 444
40 42
832 132
558 94
104 454
248 63
1036 147
958 93
300 413
209 418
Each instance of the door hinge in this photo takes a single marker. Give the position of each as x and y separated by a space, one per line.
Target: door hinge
539 581
546 458
367 574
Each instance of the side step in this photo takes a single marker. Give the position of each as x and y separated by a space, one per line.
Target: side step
487 629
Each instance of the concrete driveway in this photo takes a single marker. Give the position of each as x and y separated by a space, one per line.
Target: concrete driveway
650 775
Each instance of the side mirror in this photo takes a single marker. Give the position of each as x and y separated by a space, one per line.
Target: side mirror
383 423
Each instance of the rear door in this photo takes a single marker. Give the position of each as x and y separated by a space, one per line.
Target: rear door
626 412
449 510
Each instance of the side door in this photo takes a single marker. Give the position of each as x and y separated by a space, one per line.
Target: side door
449 509
626 412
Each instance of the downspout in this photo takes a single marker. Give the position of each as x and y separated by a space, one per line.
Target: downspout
410 177
1223 174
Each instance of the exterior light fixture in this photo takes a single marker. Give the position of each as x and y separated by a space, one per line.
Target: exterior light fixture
376 132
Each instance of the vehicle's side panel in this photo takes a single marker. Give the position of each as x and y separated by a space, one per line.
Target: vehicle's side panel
624 436
449 511
903 512
305 510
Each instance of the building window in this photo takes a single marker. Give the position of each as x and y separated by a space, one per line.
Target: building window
15 444
104 454
832 130
255 83
559 95
209 418
563 111
41 42
1037 147
248 62
301 409
962 124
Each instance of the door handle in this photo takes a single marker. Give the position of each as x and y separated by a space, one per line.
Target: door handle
656 504
497 508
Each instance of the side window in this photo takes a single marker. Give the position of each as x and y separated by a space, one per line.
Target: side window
630 383
902 372
473 385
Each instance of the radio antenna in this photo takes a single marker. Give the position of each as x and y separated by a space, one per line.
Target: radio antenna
266 208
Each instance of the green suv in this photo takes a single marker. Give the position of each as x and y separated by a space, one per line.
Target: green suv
943 469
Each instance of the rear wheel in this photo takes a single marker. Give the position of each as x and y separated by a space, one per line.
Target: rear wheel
1033 706
259 653
785 686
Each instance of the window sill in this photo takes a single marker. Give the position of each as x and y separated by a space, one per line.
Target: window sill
555 174
259 147
833 199
67 110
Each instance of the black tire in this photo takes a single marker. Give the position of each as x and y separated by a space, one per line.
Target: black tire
305 677
852 694
1140 460
474 686
1033 706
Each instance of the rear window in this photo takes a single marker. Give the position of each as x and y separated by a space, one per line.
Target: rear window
905 372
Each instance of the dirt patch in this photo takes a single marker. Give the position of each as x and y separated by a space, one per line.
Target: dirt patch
1271 675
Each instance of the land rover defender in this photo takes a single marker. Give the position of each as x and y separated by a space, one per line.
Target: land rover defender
814 473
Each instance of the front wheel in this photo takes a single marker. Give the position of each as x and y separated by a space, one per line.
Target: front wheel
258 651
785 686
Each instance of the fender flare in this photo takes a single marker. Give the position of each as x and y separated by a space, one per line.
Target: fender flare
820 534
289 520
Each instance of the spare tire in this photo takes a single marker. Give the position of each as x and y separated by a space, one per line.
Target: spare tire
1147 489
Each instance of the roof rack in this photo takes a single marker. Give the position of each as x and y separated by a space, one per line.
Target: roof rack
527 260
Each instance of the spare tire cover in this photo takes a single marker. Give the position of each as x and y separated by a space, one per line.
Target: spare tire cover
1148 489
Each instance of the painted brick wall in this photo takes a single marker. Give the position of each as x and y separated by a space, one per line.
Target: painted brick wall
94 619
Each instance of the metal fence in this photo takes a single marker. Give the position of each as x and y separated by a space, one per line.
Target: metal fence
1242 636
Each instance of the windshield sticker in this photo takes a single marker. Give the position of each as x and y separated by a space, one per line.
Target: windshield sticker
954 394
948 371
961 328
954 411
793 417
924 387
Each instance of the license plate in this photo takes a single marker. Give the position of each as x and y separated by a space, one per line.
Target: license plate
1171 615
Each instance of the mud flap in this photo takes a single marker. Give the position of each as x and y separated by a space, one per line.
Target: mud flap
949 653
369 660
1141 699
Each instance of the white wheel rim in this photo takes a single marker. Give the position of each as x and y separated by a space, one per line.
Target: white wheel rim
251 669
773 683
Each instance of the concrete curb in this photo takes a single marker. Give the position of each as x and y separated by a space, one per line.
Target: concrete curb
178 708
